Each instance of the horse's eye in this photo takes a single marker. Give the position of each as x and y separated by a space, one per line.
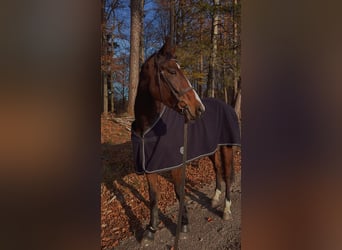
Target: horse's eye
172 71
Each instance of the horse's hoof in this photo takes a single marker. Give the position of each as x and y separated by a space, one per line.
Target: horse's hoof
183 236
215 203
185 229
146 242
184 232
148 238
227 216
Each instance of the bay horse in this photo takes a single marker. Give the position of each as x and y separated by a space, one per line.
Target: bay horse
163 84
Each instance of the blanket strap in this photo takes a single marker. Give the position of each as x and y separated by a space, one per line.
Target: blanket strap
181 192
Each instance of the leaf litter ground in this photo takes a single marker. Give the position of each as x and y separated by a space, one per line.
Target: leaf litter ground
124 198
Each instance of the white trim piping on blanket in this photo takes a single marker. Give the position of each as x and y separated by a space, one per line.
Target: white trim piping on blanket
175 166
188 161
143 137
155 122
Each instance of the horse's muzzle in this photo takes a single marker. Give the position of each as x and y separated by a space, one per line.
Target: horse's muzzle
193 114
200 110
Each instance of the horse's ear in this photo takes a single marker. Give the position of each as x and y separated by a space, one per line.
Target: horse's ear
167 49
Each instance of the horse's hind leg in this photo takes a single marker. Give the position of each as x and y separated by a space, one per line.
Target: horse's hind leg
215 158
176 175
154 196
227 161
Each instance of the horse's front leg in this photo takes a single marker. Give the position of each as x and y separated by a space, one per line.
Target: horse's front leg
154 197
176 175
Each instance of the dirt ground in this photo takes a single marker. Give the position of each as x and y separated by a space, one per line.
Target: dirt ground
124 200
207 229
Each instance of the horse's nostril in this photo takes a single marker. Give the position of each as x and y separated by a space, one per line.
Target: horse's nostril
200 110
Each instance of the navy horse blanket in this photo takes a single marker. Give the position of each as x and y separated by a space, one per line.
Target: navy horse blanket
161 146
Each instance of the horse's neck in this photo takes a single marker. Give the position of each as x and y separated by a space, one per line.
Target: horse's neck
147 111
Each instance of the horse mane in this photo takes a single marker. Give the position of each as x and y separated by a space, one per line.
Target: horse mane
144 67
144 107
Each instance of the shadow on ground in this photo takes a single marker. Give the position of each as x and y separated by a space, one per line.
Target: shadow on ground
118 164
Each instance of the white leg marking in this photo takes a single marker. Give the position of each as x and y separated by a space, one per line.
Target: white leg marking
217 195
227 207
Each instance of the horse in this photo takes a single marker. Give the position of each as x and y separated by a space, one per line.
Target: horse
162 85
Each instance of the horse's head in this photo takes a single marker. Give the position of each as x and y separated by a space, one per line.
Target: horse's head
171 85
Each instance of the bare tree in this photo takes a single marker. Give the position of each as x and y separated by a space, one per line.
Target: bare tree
104 80
142 45
212 61
108 23
136 23
235 39
172 21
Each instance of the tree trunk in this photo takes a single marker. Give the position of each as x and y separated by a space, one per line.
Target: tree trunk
201 64
238 105
172 22
105 94
212 61
181 22
225 94
237 79
103 77
236 74
134 53
200 91
123 91
225 71
142 45
111 86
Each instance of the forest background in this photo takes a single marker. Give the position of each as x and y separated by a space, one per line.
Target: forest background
206 34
